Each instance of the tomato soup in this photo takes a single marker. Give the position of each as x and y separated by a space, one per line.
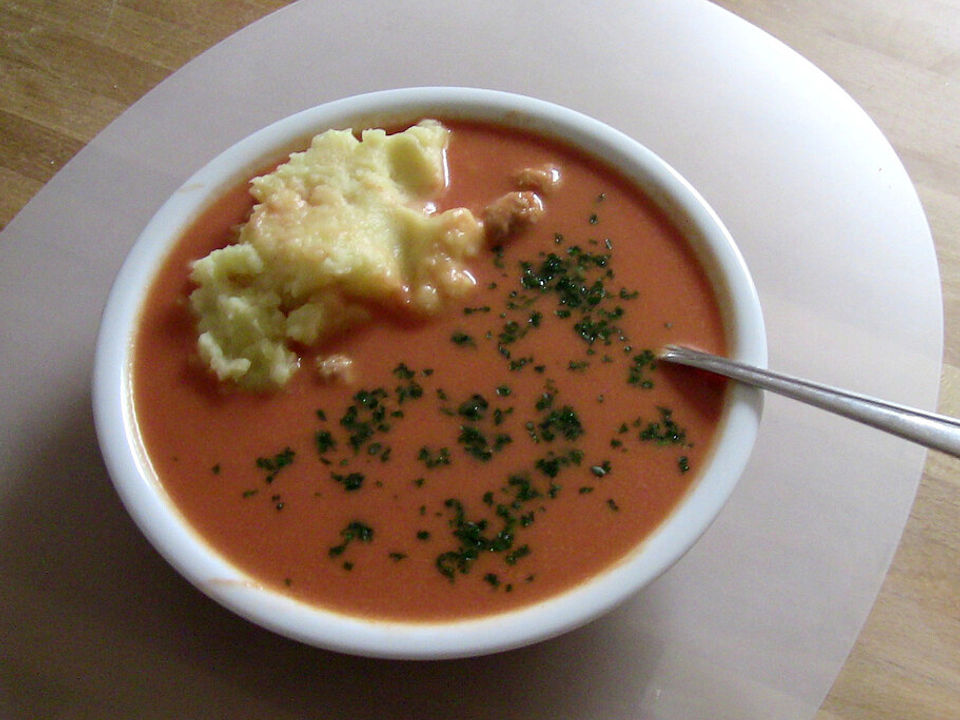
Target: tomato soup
489 458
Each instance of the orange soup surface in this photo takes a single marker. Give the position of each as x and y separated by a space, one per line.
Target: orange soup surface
486 459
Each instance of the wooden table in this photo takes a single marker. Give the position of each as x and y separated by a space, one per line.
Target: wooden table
69 67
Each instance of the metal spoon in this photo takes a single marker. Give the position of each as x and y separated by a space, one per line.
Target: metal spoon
928 429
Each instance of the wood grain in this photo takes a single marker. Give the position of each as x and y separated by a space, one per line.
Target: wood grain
69 67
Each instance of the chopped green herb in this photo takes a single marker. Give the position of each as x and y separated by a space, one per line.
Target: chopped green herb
434 459
353 531
365 417
520 552
519 363
472 540
642 365
275 464
462 339
473 408
522 487
475 442
403 372
351 481
324 441
552 464
664 432
510 333
411 389
591 330
563 422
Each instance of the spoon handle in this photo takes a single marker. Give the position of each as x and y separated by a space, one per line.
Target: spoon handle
928 429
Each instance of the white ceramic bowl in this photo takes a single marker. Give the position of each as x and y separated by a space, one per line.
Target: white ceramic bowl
163 525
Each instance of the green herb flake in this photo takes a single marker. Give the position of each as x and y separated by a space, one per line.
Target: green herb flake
476 443
324 441
642 365
403 372
520 363
664 432
474 408
553 463
275 464
350 481
409 389
434 459
366 417
354 531
473 539
563 421
513 557
462 339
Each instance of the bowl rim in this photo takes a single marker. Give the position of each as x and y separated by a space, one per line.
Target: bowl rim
183 547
